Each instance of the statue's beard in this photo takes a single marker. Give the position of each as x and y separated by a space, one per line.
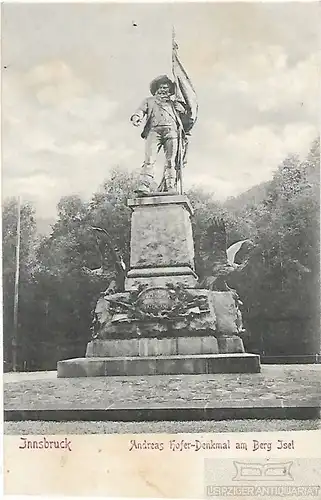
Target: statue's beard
163 95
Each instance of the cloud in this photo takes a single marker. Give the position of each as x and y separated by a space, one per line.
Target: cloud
54 83
291 87
67 142
56 127
68 92
268 83
239 159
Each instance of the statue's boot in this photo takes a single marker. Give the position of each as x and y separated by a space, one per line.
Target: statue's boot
169 180
185 151
145 185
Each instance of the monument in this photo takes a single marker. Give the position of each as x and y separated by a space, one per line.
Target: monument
162 318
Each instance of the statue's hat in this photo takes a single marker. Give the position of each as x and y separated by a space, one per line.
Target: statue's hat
161 80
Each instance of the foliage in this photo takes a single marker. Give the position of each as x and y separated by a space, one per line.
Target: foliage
279 288
27 262
205 209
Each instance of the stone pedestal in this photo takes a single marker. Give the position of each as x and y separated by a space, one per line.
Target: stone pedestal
162 247
167 326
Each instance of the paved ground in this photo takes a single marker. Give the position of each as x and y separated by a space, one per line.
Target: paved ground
21 376
281 385
41 427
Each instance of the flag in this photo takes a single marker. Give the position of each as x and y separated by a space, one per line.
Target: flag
185 91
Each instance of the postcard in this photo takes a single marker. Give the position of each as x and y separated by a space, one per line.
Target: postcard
160 215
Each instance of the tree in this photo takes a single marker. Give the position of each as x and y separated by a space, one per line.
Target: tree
27 263
205 209
66 291
281 287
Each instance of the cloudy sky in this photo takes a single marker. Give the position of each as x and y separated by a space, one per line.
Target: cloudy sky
74 74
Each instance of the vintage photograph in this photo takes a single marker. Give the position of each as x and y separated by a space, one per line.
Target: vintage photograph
160 215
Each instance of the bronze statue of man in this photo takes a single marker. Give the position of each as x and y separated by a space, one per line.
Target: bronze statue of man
165 125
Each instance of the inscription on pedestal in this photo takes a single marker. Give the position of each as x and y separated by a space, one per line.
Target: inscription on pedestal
154 300
161 239
161 236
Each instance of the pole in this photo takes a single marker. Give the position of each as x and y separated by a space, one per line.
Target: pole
180 131
181 163
16 292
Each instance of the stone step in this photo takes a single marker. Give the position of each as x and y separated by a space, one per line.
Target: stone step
159 365
168 346
152 347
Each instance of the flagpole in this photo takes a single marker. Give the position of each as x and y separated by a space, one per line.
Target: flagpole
180 138
16 292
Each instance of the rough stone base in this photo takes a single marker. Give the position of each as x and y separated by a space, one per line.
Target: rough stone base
164 365
152 347
199 319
